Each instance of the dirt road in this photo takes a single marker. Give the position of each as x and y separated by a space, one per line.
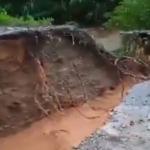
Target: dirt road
129 126
110 39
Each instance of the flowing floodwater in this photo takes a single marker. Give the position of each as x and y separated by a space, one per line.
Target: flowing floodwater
111 40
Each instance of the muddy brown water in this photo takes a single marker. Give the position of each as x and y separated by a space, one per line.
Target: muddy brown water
67 129
110 39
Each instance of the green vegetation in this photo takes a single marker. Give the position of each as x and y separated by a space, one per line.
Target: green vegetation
6 19
123 14
130 14
86 12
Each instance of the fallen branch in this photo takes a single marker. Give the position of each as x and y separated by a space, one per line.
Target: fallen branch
38 103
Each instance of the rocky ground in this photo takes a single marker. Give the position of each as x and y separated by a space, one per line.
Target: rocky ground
129 125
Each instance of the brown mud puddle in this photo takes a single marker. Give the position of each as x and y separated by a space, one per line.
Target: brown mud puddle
68 128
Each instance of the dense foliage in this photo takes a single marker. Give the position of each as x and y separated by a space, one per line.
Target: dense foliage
83 11
130 14
8 20
123 14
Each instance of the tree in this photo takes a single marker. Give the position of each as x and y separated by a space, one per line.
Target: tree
130 14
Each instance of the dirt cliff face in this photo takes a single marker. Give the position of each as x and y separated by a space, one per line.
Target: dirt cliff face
74 73
17 92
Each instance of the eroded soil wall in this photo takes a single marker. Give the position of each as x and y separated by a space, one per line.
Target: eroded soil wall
74 73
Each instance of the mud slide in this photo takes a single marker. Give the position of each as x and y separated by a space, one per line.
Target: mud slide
47 70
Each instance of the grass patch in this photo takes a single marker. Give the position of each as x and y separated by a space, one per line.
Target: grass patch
7 20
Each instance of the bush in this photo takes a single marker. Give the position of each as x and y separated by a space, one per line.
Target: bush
86 12
130 14
6 19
